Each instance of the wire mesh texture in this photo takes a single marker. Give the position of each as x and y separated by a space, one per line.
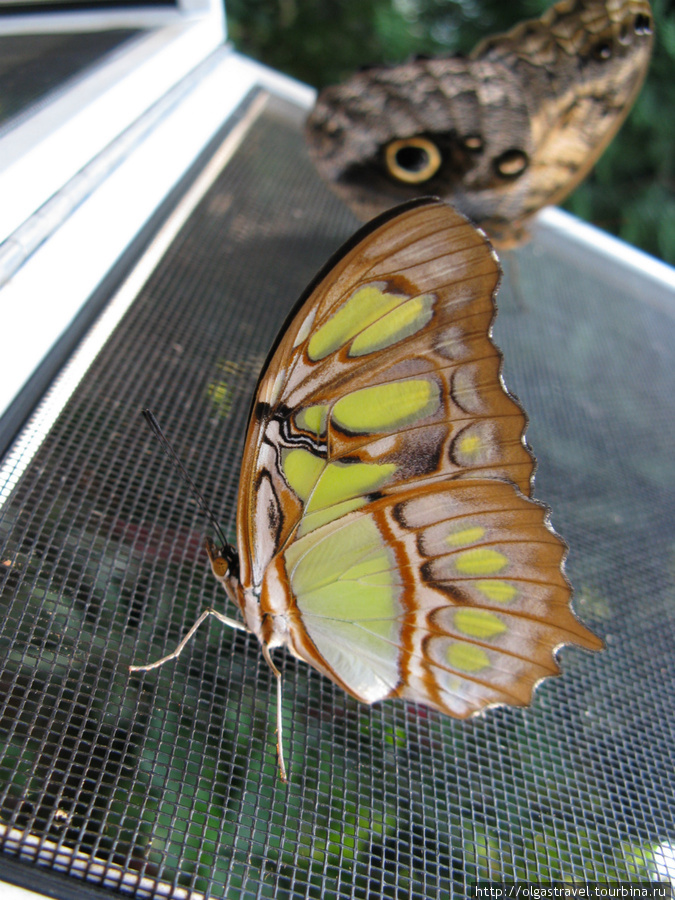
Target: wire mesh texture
166 783
35 67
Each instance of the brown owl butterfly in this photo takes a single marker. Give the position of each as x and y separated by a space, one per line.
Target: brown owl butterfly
500 134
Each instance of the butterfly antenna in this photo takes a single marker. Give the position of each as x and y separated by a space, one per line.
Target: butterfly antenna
151 419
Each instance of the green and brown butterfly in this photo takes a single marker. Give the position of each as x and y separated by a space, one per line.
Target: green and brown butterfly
386 533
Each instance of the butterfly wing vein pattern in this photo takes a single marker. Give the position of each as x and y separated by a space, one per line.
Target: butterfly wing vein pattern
386 533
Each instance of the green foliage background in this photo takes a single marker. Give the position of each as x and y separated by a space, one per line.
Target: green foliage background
631 192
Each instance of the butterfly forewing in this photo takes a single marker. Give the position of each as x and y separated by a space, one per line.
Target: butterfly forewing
384 523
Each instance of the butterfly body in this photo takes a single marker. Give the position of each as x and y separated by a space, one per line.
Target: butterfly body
511 128
385 531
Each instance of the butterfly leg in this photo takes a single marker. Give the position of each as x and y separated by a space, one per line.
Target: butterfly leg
280 747
226 620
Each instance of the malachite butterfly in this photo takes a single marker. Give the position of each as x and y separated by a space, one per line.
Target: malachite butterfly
385 527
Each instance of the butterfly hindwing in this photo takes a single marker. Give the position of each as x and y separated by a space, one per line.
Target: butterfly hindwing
451 595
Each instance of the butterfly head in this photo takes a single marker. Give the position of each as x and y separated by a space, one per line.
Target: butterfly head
224 562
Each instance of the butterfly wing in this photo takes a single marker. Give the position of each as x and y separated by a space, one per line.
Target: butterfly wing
385 530
514 127
433 125
581 66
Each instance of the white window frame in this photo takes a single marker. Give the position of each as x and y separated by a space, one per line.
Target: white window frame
47 149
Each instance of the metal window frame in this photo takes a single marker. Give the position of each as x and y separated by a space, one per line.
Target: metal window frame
146 115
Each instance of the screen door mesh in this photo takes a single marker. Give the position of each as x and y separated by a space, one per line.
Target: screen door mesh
165 783
35 67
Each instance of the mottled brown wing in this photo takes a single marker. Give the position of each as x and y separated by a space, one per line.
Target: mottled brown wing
514 127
